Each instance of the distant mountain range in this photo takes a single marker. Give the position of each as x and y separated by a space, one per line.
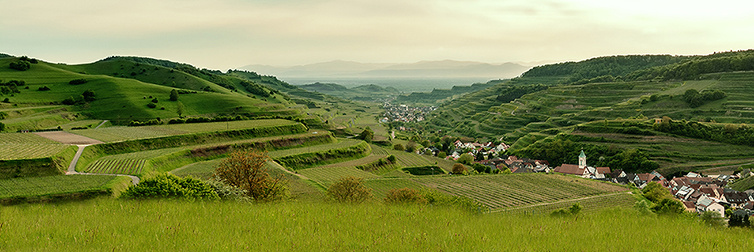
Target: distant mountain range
422 69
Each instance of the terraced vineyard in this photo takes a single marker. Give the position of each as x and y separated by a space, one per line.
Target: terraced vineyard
40 186
317 148
27 146
122 133
497 192
116 166
380 187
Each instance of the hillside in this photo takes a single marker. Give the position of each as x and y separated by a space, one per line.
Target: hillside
359 93
124 86
554 99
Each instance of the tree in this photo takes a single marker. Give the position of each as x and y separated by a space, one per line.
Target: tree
174 95
169 186
442 154
2 127
349 190
398 147
410 146
739 218
712 218
180 109
88 95
20 65
466 158
459 169
669 206
479 156
367 135
247 171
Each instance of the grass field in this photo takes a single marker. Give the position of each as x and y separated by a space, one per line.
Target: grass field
49 185
326 175
107 224
122 133
342 143
504 191
592 204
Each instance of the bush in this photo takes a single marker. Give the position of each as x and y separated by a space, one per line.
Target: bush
173 95
391 159
442 154
404 196
712 219
247 171
69 101
398 147
575 209
349 190
88 95
20 65
155 100
459 169
151 105
227 192
466 159
669 206
44 88
169 186
78 81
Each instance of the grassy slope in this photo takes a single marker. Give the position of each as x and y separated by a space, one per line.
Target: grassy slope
122 100
174 225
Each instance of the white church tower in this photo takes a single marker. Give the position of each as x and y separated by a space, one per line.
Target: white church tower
582 160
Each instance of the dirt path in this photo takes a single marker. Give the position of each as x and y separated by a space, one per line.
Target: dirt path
556 202
103 122
72 167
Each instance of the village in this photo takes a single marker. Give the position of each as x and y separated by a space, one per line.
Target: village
698 193
405 113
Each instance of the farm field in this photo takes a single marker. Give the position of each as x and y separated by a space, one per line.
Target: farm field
48 185
504 191
326 175
380 187
406 159
27 146
115 166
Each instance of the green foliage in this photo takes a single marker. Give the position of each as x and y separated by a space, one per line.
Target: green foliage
739 218
442 154
655 192
575 209
28 188
174 95
78 81
424 170
304 160
733 134
366 135
669 206
644 207
712 219
2 127
169 186
602 66
466 159
247 171
20 65
439 94
404 196
459 169
227 192
695 99
349 190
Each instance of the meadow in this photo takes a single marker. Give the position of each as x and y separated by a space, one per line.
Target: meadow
122 225
51 185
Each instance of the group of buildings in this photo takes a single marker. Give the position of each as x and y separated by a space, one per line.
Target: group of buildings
404 113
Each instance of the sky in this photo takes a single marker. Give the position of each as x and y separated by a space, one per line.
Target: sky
225 34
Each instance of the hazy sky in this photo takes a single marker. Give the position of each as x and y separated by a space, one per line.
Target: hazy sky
232 33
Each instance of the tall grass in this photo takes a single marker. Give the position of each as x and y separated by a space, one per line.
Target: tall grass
107 224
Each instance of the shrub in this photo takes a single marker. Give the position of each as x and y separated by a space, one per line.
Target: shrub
227 192
88 95
459 169
466 159
69 101
349 190
712 219
20 65
575 209
403 196
173 95
398 147
43 88
442 154
669 206
246 170
78 81
155 100
391 159
151 105
169 186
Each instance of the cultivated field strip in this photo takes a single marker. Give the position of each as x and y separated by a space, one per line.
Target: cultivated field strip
29 151
117 166
380 187
497 192
122 133
315 148
38 186
326 175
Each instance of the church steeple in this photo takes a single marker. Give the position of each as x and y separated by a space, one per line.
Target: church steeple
582 160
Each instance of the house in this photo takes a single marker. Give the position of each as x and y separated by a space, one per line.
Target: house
690 206
705 204
736 199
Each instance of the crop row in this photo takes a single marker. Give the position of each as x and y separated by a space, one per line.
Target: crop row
117 166
499 191
23 138
37 186
28 151
380 187
315 148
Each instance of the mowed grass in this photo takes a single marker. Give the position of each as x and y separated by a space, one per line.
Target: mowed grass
168 225
504 191
27 146
40 186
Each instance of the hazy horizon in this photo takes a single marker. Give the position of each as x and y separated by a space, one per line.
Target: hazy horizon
233 33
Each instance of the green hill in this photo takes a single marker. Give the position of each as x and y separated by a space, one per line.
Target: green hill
124 86
369 92
554 99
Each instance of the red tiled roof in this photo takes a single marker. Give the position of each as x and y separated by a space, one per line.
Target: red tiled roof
569 169
603 170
